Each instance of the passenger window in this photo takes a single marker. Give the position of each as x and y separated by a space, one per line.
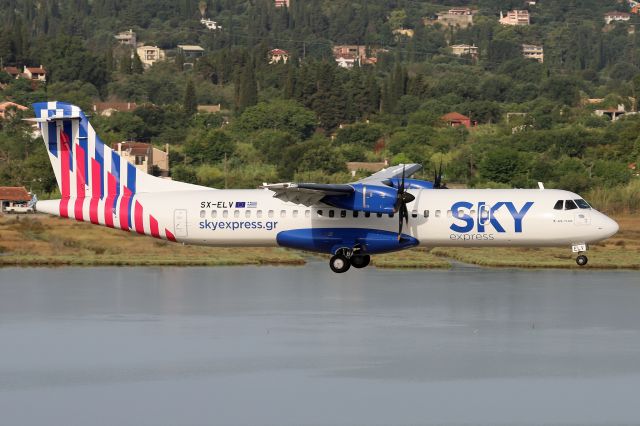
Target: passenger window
414 213
582 203
283 213
367 214
484 214
449 213
247 214
437 213
319 212
355 213
307 213
270 213
236 213
331 213
225 214
570 205
214 214
559 205
259 214
295 213
203 213
426 213
343 213
473 213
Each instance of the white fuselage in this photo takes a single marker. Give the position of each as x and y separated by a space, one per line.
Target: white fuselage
486 217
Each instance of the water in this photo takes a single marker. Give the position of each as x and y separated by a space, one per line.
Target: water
303 346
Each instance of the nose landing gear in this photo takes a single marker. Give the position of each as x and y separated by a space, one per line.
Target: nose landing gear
582 260
339 263
579 248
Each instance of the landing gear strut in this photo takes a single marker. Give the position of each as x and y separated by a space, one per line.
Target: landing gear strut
345 258
580 248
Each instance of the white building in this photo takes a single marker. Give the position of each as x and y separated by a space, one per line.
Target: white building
149 55
515 17
464 49
211 25
532 51
610 17
127 38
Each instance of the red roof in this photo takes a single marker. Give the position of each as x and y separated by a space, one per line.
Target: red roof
454 116
134 148
37 70
279 52
12 70
14 193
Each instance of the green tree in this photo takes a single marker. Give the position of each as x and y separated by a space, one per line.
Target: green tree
190 103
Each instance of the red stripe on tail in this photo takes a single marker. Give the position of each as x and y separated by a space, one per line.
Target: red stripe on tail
65 152
170 236
96 174
124 209
108 204
81 181
153 225
139 221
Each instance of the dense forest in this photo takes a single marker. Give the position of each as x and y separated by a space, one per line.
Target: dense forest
303 119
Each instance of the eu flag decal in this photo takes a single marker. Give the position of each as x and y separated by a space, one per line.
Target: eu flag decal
240 204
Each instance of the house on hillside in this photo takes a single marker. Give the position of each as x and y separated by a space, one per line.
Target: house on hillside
14 72
459 17
612 114
515 17
145 157
464 49
127 38
108 108
211 25
403 32
455 119
278 55
149 55
615 16
349 55
13 196
35 73
281 3
532 51
7 107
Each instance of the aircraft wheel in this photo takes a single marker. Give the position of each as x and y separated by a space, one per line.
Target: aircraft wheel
582 260
339 264
360 260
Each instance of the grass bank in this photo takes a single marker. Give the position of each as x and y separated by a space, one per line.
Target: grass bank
43 240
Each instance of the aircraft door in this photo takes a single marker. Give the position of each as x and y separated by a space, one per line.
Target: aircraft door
180 223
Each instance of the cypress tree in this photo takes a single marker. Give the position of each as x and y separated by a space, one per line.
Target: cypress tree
248 88
136 64
190 101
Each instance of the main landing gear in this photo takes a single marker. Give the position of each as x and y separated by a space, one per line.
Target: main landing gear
345 259
581 260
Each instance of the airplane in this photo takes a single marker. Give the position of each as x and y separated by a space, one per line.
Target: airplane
385 212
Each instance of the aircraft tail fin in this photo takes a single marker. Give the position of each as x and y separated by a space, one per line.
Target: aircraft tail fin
91 176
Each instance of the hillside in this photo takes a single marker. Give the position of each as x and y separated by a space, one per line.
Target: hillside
404 65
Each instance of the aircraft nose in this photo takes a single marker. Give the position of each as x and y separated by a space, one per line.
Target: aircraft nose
607 226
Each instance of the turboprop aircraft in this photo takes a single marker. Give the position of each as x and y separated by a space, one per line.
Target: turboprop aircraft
385 212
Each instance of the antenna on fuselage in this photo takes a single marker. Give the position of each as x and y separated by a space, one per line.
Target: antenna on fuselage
540 185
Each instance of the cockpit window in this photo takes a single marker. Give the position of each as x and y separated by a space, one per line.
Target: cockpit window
570 205
559 205
582 203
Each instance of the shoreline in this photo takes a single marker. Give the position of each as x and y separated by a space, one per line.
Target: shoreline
46 241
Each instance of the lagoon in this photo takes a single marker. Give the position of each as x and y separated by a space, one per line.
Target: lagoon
304 346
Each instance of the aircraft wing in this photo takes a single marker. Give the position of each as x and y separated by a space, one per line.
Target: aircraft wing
385 175
307 194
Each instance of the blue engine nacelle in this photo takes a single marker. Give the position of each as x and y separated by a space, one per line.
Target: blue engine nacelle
412 183
366 198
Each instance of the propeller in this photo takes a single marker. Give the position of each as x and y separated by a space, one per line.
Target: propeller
437 178
401 205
